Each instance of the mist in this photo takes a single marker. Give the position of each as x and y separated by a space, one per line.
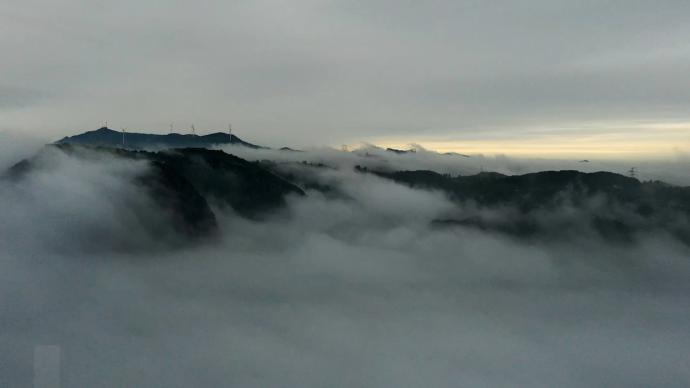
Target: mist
669 169
352 287
15 146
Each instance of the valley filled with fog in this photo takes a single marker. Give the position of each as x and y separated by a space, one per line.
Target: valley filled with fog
351 284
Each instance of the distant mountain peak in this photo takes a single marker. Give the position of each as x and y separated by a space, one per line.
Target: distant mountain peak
108 137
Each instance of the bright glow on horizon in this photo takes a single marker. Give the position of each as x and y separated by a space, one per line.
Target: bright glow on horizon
602 141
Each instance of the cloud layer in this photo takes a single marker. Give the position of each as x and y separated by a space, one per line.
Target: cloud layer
349 290
333 72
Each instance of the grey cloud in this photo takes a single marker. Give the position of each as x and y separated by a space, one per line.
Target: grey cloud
354 290
15 146
317 73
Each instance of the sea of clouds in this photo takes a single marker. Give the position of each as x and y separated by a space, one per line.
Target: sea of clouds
353 289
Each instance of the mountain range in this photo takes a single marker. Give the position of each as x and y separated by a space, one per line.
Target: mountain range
188 183
553 203
193 181
107 137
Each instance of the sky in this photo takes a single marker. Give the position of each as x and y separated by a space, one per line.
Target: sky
540 78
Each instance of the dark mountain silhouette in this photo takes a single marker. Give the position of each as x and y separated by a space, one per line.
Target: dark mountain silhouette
550 203
107 137
399 152
290 149
306 175
247 187
191 182
190 213
186 182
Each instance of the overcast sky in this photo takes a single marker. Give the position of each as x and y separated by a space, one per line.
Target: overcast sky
513 75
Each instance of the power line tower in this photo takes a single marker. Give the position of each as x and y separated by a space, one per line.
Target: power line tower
193 130
632 172
230 129
123 137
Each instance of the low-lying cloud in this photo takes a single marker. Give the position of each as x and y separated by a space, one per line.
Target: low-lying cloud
670 170
350 289
14 146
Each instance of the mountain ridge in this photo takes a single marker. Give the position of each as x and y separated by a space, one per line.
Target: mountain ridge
616 206
107 137
194 182
187 183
